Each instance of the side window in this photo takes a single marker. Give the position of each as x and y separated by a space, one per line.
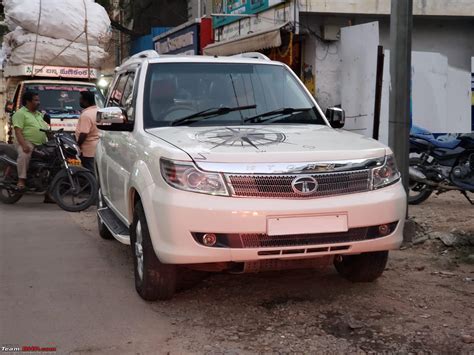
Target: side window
116 94
127 98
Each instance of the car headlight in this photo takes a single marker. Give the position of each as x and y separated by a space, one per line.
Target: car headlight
185 176
385 175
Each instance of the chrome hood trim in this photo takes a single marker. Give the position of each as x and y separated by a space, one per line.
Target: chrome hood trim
290 168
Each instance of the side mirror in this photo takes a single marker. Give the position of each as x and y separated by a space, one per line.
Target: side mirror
47 118
113 119
336 117
9 107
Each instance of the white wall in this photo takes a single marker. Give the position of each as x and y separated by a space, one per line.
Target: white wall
359 66
441 95
328 71
382 7
453 38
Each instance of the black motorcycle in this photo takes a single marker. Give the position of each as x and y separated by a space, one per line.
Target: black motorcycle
54 169
441 167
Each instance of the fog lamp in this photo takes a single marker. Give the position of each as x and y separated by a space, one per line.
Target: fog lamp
384 229
209 239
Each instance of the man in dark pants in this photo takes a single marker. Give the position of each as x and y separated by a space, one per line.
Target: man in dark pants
87 133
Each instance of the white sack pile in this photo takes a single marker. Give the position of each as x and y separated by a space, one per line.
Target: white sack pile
2 57
20 46
61 22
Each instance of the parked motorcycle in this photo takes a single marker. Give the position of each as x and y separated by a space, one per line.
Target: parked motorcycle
54 169
440 166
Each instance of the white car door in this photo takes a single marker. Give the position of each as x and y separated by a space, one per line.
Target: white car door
122 154
110 144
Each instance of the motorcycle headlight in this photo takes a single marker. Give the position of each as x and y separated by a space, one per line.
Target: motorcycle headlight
385 175
72 148
185 176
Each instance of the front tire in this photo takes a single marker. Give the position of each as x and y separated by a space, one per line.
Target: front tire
8 176
365 267
69 200
9 197
153 280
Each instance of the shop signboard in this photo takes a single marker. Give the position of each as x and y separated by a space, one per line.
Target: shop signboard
239 7
51 72
184 41
267 20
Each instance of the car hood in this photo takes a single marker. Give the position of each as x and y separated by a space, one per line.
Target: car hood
263 143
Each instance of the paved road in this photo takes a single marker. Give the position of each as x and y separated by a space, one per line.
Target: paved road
62 287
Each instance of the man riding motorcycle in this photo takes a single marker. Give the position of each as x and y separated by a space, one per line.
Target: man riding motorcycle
28 122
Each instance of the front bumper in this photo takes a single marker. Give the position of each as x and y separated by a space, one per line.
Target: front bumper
173 216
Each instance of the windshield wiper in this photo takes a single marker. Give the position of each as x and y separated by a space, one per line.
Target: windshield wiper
210 112
279 111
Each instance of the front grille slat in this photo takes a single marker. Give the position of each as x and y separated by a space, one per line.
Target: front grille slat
279 186
266 241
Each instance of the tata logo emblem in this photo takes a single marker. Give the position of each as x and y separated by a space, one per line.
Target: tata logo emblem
304 185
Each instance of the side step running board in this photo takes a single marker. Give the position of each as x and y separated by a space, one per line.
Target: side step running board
118 229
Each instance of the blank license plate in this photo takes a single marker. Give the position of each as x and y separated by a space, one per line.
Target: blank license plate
307 224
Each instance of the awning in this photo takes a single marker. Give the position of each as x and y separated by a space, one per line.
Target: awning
253 42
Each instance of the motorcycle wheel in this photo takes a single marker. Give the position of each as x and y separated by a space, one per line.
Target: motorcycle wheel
422 192
8 197
85 195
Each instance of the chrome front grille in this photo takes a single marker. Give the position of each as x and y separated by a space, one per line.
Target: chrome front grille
280 185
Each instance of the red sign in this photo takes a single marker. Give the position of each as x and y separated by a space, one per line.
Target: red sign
206 33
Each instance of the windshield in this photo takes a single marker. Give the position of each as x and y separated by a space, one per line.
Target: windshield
62 98
178 90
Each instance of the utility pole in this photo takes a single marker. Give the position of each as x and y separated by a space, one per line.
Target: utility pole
401 24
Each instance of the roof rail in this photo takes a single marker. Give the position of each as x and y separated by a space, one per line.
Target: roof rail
254 55
150 53
142 55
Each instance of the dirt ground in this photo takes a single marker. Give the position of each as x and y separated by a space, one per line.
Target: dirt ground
422 303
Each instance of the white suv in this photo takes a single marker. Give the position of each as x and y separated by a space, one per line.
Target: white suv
229 164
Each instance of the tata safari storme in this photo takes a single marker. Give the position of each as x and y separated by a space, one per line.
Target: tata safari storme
229 164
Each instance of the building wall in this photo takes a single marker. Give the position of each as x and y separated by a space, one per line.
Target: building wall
323 56
382 7
447 36
193 8
453 38
153 13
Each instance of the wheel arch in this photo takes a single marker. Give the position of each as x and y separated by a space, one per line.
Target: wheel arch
133 198
140 179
